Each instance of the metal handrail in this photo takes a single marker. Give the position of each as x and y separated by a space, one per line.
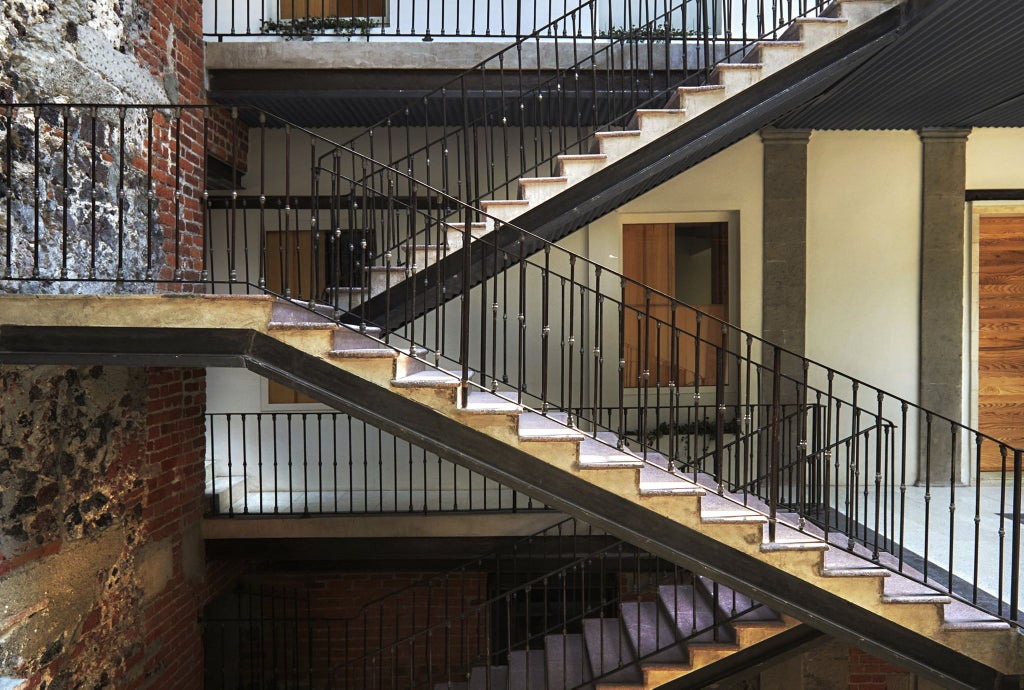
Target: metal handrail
572 311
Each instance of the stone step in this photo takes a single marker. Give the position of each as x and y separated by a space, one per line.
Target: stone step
652 634
566 661
576 167
504 210
617 144
537 190
611 655
488 677
692 615
527 670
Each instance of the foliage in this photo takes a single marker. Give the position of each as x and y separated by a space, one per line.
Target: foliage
703 427
308 27
640 34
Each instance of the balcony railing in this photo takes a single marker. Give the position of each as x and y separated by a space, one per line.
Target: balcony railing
112 199
479 20
329 463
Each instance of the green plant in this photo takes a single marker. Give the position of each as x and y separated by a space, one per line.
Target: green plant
636 34
703 427
307 27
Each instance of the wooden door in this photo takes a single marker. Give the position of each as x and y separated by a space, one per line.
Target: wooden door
1001 334
289 259
294 9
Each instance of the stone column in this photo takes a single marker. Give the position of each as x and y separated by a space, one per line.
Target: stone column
943 295
784 286
784 298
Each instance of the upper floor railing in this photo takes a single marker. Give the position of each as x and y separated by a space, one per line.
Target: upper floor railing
478 20
115 199
329 463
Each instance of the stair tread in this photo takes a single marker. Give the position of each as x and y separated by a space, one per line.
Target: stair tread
655 480
543 180
534 426
583 157
652 634
485 402
621 133
594 453
736 606
428 378
693 616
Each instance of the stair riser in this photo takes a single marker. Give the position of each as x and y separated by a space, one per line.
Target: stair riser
352 338
654 124
316 341
431 396
620 481
577 170
699 102
776 57
378 370
682 509
737 79
383 278
502 212
619 147
814 34
539 192
749 634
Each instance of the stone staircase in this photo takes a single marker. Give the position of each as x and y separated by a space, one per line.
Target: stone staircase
648 644
803 37
694 500
849 588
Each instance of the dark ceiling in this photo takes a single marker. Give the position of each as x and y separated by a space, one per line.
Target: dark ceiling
952 63
959 63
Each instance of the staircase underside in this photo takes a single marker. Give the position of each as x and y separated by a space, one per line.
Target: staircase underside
203 331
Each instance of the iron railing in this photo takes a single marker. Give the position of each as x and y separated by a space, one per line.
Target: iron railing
451 20
512 115
328 463
122 210
545 592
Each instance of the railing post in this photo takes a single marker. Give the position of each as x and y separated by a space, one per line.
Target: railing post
773 468
719 412
1015 539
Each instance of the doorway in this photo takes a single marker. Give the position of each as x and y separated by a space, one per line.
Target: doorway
999 252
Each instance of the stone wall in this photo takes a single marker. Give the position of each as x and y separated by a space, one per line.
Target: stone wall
102 573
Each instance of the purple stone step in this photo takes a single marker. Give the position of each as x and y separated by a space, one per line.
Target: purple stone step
567 663
611 654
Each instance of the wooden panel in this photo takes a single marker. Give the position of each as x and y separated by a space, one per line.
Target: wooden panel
292 9
648 256
1001 334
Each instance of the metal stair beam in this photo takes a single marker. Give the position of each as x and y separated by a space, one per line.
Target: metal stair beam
486 455
605 190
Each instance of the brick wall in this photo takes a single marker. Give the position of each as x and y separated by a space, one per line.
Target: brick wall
102 573
338 620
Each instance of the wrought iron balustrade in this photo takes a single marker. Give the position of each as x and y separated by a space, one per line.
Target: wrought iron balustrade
329 463
476 618
461 20
112 199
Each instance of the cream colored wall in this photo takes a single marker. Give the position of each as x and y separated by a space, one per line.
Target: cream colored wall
863 251
727 186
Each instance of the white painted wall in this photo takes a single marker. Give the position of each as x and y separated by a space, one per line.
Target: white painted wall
863 250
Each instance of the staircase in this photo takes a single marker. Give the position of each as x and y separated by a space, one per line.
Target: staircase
832 579
687 103
684 629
